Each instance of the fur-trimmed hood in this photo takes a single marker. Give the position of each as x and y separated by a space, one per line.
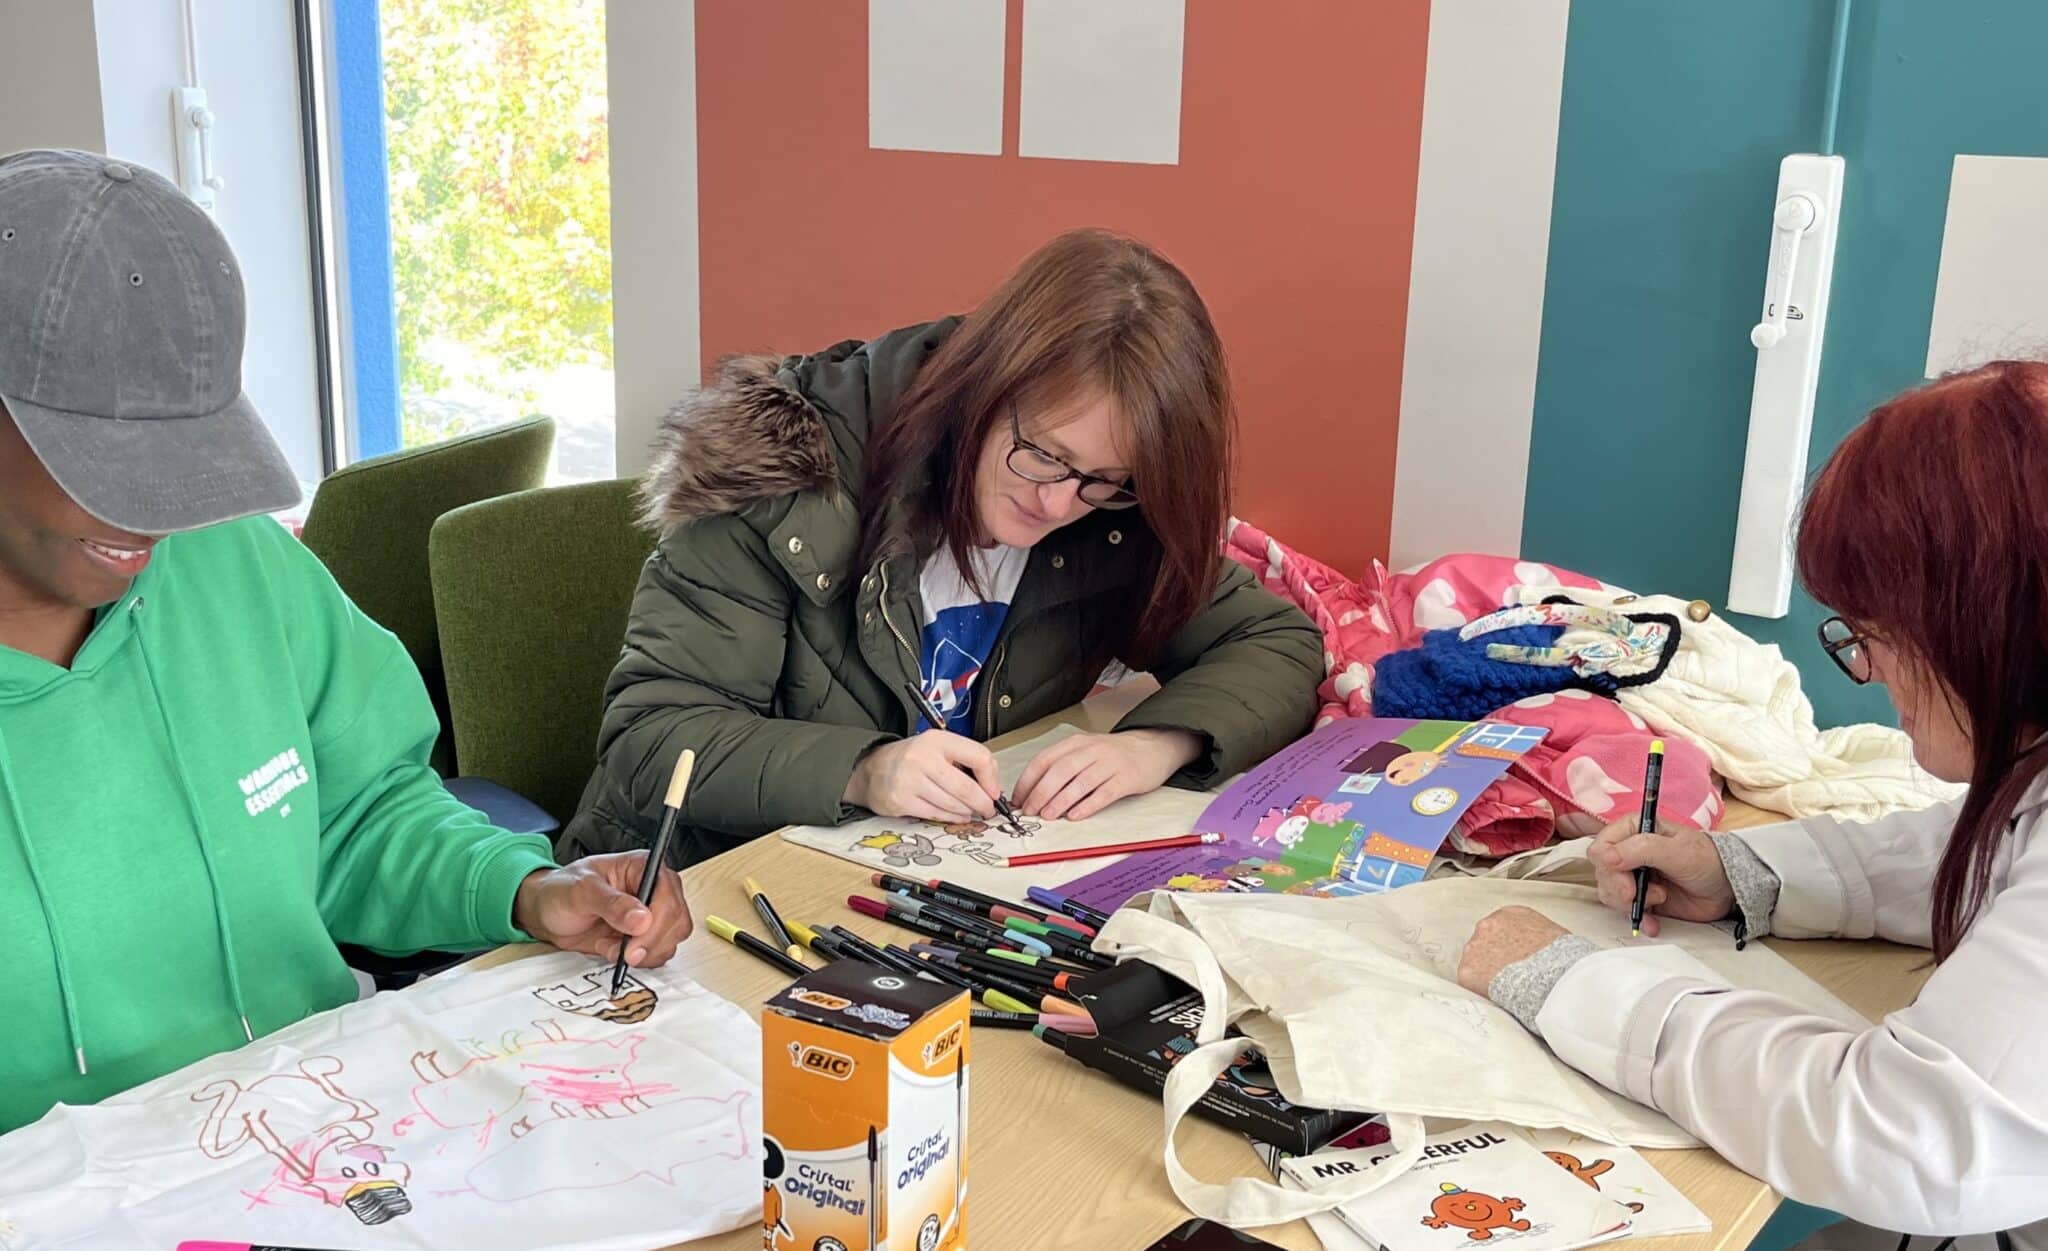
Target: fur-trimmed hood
747 435
767 426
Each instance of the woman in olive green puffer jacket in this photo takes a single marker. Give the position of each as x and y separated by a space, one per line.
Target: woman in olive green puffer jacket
985 510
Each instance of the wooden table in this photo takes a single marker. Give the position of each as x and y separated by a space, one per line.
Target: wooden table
1062 1157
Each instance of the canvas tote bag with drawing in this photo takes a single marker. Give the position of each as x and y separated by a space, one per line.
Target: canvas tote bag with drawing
1355 1004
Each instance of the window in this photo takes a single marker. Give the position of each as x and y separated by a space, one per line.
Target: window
475 182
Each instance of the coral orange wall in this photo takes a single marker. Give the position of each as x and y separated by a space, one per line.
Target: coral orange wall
1292 208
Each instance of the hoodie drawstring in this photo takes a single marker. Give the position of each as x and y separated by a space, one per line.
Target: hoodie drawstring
220 908
35 877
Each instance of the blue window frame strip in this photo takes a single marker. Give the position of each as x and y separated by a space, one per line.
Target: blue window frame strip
366 200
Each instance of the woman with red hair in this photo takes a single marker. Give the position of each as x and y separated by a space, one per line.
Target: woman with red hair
1926 534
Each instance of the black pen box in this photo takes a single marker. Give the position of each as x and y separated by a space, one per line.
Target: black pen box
1142 1050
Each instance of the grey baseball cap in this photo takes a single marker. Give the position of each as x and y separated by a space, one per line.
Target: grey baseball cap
121 322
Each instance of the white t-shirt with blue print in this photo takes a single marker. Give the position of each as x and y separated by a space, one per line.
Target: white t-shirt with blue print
959 627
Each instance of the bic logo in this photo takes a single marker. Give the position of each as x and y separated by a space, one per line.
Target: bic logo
942 1047
819 999
822 1062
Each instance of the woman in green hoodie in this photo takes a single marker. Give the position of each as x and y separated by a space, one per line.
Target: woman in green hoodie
212 765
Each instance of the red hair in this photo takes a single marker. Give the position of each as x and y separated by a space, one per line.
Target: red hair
1927 530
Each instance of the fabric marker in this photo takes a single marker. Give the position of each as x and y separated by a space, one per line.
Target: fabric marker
807 938
1080 1026
772 922
968 892
938 970
906 919
937 720
755 947
1073 949
1067 904
867 950
943 915
1653 778
946 893
1007 1003
657 855
947 914
995 913
993 1019
1031 998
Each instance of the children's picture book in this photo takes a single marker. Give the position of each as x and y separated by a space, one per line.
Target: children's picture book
1478 1184
1358 807
1656 1207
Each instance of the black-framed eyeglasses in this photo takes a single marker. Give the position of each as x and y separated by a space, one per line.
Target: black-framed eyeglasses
1034 464
1849 650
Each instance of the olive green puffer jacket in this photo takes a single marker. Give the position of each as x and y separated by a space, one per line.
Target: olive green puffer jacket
754 640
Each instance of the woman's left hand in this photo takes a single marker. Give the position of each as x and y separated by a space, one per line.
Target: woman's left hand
1500 940
1078 777
593 904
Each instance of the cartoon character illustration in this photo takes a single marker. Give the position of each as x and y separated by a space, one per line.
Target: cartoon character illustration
900 851
1588 1173
1290 832
1246 883
1478 1214
964 830
774 1224
1251 1076
592 996
318 1133
1399 764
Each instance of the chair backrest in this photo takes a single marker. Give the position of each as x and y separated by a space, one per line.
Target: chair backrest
533 590
369 525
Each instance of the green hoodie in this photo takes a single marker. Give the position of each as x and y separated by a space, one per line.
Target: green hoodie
230 779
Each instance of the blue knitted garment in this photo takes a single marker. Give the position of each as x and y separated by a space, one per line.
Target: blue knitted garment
1452 679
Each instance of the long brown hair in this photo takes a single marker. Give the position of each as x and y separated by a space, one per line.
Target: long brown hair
1089 310
1927 529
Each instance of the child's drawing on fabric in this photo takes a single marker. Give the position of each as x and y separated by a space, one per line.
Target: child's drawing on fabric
543 1098
591 995
317 1135
901 851
517 1107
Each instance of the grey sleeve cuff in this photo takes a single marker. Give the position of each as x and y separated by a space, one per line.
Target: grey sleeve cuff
1522 987
1755 886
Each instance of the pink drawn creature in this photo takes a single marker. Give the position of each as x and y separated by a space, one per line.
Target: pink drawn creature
318 1134
569 1089
545 1079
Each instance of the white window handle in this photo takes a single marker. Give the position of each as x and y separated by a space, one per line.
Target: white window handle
1795 216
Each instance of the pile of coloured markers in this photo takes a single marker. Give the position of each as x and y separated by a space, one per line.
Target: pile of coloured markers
783 952
1022 964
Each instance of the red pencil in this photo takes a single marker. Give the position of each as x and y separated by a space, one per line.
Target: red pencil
1112 849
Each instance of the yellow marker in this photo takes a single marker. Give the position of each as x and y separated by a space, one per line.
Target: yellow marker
778 933
803 934
755 947
1004 1003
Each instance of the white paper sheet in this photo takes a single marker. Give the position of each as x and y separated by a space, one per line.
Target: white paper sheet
511 1108
972 854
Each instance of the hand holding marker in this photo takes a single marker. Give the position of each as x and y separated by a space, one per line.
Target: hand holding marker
1653 778
937 720
657 855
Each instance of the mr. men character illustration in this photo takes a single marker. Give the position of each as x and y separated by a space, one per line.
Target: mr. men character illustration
900 851
1477 1214
590 995
1588 1173
317 1133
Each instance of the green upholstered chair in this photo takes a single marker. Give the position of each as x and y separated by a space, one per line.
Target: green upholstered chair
532 591
369 524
